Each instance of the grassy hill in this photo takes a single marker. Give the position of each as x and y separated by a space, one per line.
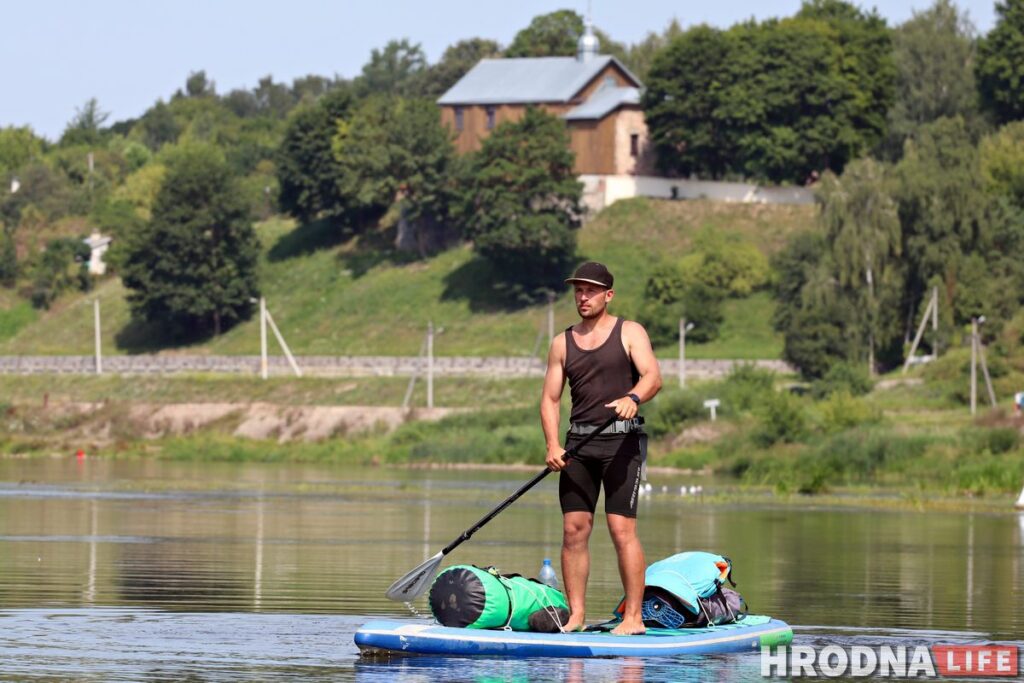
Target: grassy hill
343 298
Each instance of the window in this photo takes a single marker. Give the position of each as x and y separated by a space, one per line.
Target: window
458 118
610 82
634 145
490 118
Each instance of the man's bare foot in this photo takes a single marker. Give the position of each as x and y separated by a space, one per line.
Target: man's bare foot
632 627
574 624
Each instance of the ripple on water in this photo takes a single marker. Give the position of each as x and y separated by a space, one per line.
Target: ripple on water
134 644
262 575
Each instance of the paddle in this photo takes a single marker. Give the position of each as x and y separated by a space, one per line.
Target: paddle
415 583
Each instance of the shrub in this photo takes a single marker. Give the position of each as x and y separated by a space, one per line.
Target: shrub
659 317
667 298
667 413
691 458
508 444
781 419
63 265
853 456
746 387
841 411
980 474
993 441
849 377
490 436
736 269
702 306
859 454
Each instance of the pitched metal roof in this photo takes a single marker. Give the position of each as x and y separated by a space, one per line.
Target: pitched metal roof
527 80
602 103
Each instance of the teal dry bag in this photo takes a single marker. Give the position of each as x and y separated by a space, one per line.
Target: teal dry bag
686 590
689 576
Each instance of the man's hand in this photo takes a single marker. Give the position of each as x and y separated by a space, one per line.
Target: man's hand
554 460
624 407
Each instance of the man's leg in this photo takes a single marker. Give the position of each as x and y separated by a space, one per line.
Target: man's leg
576 528
631 570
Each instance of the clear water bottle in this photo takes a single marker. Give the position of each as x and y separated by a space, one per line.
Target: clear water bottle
547 575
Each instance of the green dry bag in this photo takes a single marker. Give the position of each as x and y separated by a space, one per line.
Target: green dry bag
466 596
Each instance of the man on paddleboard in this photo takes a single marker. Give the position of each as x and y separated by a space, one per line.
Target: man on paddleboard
610 366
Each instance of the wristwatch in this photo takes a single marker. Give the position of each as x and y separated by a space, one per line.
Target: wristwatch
636 399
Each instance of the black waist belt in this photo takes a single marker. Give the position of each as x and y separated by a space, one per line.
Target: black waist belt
617 427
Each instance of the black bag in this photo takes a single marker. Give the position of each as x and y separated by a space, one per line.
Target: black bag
724 607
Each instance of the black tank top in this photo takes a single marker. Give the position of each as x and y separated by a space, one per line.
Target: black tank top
598 376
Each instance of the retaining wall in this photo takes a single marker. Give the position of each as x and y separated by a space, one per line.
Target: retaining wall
600 191
334 366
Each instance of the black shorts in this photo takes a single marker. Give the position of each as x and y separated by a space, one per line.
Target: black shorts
614 461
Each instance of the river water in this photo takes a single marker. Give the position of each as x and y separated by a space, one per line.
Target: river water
147 570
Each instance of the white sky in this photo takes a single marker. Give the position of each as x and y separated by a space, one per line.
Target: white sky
56 55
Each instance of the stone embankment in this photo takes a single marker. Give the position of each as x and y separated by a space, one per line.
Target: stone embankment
337 366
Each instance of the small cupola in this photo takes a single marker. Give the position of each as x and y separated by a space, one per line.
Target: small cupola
586 48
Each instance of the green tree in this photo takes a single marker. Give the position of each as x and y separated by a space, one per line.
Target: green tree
1000 67
1002 162
44 191
8 259
194 264
397 69
520 202
556 34
787 113
273 99
943 208
866 67
456 61
366 156
1003 253
159 127
62 265
309 88
198 85
777 100
307 170
682 102
669 296
813 326
934 52
17 147
85 128
862 227
392 148
424 163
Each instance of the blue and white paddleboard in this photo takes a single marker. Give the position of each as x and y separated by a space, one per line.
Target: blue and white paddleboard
406 637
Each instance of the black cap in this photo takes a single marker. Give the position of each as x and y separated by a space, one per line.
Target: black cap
594 273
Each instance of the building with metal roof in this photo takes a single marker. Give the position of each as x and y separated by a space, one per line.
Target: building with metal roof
596 95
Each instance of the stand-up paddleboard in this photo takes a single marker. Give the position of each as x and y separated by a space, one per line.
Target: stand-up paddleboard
390 636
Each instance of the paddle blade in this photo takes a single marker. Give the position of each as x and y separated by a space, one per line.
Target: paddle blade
415 583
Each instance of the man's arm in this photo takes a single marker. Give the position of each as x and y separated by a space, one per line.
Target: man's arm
638 346
551 402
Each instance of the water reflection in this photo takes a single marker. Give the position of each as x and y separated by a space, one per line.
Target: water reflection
307 542
257 580
622 670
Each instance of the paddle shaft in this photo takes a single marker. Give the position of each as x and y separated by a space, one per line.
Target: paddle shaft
523 489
